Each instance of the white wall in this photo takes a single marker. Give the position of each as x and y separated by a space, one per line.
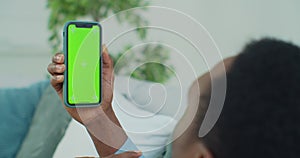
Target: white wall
24 51
23 34
234 22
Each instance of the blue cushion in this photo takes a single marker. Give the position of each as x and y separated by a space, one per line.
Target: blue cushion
47 128
17 106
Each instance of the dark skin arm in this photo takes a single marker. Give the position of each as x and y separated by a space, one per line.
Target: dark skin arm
101 122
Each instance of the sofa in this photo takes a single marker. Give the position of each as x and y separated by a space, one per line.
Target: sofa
33 121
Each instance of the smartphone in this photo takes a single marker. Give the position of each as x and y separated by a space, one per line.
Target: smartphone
82 50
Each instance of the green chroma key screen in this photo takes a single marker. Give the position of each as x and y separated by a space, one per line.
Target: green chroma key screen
83 65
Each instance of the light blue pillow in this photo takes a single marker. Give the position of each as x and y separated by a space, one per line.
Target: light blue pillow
17 106
48 126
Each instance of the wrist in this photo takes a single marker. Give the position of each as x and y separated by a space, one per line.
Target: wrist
103 114
105 131
107 109
95 117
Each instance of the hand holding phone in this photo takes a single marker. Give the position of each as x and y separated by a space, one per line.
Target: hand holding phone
57 69
110 130
92 117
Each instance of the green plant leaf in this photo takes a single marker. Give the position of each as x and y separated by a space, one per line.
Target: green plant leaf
62 11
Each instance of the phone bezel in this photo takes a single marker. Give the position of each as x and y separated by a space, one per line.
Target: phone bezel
87 24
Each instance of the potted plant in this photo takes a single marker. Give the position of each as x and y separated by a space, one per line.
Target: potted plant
62 11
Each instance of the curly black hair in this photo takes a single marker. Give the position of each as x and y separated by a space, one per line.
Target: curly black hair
261 114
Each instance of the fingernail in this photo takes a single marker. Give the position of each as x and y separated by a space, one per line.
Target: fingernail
57 57
59 77
59 67
104 48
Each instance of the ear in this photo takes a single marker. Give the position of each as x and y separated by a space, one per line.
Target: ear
202 150
190 148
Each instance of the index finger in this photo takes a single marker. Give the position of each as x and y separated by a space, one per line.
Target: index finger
58 58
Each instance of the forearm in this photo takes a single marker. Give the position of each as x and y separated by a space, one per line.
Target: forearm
106 132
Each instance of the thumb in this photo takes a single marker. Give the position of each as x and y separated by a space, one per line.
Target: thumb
107 61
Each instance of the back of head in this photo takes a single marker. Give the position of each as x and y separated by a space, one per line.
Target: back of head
261 114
